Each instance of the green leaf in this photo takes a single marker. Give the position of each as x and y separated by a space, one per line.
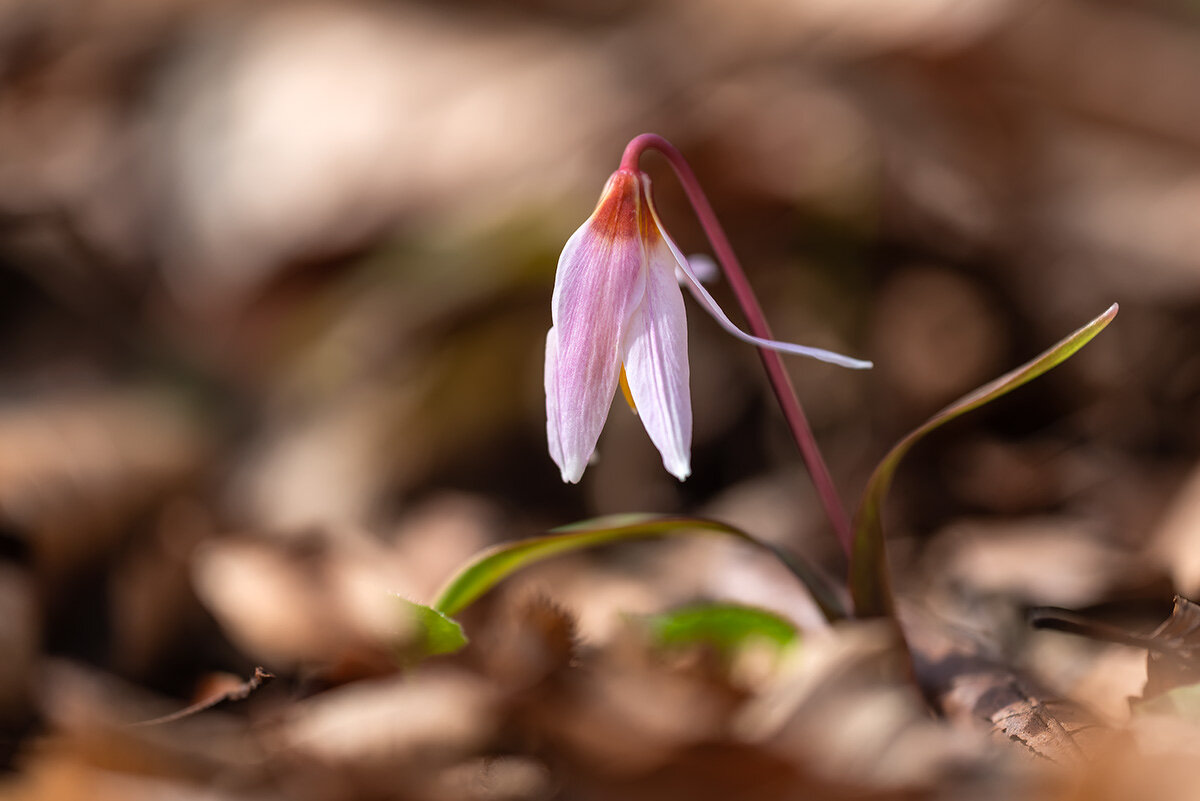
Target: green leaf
431 632
493 565
869 585
724 626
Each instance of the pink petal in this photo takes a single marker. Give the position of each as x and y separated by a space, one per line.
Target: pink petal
710 305
656 365
552 403
598 287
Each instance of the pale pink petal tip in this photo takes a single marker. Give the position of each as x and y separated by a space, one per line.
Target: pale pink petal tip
656 366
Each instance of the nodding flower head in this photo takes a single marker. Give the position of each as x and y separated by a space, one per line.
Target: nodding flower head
618 319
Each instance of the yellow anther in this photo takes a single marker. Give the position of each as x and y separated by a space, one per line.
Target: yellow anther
626 391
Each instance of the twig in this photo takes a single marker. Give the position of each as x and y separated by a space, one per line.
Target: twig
240 693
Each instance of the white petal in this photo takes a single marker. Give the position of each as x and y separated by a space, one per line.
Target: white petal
706 300
656 365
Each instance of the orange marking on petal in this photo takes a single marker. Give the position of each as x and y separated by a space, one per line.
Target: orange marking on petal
619 213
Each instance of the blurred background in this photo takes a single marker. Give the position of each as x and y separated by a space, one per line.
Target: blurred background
275 282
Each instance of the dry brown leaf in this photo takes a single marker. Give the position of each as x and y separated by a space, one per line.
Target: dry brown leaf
302 604
505 778
75 468
971 690
845 711
380 738
1055 729
1058 560
624 716
1175 661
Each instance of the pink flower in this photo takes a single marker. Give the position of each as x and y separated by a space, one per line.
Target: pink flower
618 317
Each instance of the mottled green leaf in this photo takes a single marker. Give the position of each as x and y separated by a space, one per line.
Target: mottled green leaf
430 632
493 565
869 584
722 625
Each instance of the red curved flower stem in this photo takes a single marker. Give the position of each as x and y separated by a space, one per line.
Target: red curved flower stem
781 383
